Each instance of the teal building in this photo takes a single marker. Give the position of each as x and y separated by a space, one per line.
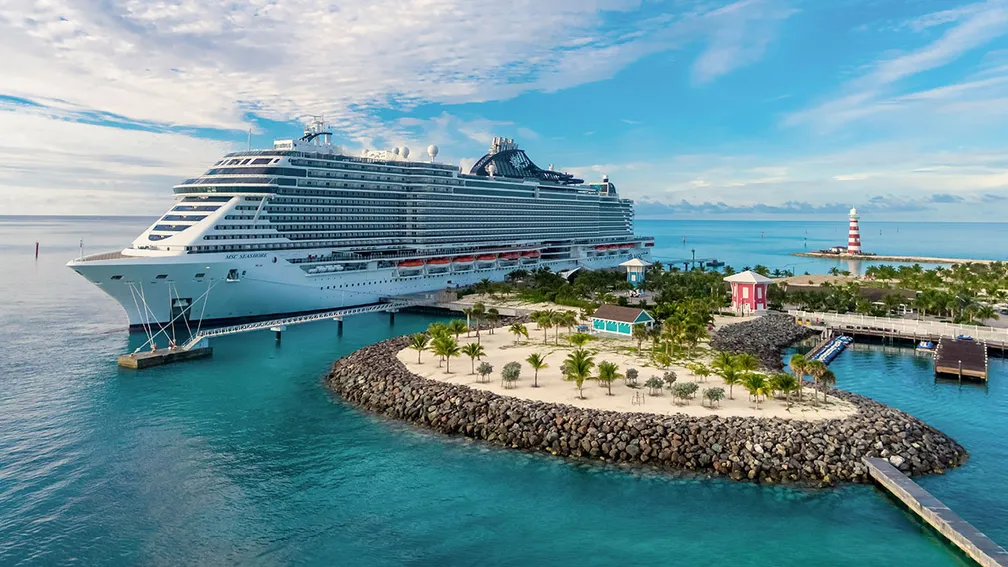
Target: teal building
635 269
616 320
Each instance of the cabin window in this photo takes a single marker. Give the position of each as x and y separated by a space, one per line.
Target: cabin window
200 275
117 277
161 276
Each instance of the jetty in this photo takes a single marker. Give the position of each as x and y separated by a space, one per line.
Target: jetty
961 358
900 259
958 531
830 349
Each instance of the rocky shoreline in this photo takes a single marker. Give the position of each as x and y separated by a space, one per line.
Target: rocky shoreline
764 337
769 450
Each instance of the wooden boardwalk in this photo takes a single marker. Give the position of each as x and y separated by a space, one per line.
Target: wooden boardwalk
961 359
961 533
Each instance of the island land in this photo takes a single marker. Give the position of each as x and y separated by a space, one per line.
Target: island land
904 259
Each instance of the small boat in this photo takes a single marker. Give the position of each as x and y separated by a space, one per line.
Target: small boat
533 254
925 345
486 258
964 338
464 259
626 246
600 248
510 255
438 262
411 264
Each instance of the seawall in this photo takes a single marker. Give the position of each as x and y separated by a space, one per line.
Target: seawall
770 450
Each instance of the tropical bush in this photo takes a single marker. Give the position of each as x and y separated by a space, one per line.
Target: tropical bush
655 385
485 369
630 377
714 395
510 374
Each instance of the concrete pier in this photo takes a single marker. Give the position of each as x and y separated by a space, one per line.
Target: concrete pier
141 360
961 533
961 359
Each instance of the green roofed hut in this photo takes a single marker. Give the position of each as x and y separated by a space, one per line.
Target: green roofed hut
617 320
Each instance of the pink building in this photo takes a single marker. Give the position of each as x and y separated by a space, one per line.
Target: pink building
749 292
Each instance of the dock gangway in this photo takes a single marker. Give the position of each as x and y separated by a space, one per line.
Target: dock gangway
334 314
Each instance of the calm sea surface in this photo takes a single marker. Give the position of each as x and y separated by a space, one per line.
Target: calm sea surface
246 458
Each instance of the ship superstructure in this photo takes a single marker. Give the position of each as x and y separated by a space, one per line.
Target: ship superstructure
305 227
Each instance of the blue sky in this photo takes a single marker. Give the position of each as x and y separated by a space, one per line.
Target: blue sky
699 109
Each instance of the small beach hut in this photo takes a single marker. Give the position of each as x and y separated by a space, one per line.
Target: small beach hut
618 320
748 292
635 268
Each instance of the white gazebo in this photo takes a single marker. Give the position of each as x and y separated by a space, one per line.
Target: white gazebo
749 292
635 268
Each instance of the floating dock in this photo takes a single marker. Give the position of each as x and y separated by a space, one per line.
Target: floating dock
829 350
961 533
961 358
141 360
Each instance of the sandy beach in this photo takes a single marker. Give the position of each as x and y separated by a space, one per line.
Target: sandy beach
501 349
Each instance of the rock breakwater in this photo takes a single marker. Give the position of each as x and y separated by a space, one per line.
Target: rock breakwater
764 337
759 449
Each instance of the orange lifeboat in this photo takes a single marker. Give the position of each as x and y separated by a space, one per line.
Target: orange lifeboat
532 254
600 248
411 263
464 259
438 262
510 255
486 257
626 245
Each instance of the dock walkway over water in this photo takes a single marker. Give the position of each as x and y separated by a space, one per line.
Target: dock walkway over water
910 329
961 533
961 358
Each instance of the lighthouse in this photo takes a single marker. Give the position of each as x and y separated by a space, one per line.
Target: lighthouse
854 235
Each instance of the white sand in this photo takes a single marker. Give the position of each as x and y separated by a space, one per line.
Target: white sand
501 349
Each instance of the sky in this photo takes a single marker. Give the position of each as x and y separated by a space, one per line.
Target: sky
694 108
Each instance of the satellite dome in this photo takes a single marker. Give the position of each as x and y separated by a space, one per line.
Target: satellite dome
432 151
395 150
405 152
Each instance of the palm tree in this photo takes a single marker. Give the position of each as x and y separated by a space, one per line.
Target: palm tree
731 376
757 386
545 320
784 383
468 313
701 371
519 331
815 368
478 310
578 367
694 333
565 319
747 362
723 360
537 362
579 339
826 380
607 372
436 329
473 351
492 317
457 327
640 334
447 348
797 363
419 344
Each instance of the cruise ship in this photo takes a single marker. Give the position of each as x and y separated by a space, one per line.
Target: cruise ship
306 227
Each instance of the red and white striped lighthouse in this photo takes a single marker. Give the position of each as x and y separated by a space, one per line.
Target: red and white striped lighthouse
854 236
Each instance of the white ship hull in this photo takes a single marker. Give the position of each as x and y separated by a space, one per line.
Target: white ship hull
155 290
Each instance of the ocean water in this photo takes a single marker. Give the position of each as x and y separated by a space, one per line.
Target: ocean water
773 243
247 459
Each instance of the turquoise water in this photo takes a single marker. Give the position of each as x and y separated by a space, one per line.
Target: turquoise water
246 459
771 243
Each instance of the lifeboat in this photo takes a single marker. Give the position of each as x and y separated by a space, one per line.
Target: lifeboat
601 248
464 259
625 246
510 255
486 258
438 262
411 264
531 254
